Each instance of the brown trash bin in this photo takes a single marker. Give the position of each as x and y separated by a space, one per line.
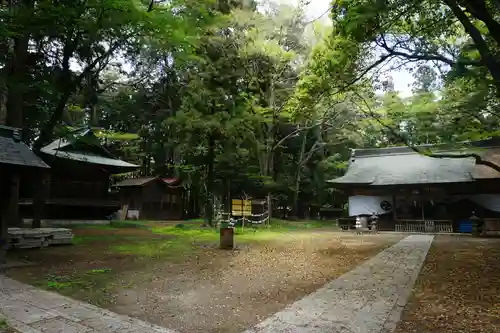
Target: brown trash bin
227 238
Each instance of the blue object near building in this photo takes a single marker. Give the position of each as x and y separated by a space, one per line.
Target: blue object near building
465 226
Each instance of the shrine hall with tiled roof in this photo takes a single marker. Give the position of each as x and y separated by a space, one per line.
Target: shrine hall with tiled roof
404 166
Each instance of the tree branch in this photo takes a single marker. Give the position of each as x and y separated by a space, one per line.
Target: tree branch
423 57
478 159
326 121
479 9
487 57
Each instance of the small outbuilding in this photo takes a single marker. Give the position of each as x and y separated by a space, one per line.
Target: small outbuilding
79 185
151 198
18 164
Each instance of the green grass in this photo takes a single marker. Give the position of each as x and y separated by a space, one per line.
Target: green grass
3 324
80 240
129 224
154 249
93 285
302 224
83 281
185 238
169 242
177 242
99 271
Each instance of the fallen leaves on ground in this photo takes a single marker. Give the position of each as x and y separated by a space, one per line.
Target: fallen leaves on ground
209 290
458 289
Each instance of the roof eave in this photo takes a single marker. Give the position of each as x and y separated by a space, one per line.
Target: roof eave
344 184
135 185
65 155
41 165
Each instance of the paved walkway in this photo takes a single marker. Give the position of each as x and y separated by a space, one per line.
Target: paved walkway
368 299
31 310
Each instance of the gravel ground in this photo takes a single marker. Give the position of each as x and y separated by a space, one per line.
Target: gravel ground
205 290
458 289
229 291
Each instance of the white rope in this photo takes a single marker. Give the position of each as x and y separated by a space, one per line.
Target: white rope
259 222
234 221
259 215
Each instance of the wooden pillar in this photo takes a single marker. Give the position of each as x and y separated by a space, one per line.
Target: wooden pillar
394 207
39 197
183 202
269 209
13 218
4 201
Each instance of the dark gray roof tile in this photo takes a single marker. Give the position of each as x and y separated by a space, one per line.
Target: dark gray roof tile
64 148
406 168
135 181
15 152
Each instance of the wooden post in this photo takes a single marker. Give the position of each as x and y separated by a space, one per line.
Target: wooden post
13 218
4 200
226 238
269 209
39 197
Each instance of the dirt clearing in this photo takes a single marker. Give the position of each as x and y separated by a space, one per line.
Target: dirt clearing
458 289
180 280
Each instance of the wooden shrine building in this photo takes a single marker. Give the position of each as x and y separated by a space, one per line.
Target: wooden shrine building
151 198
18 165
79 186
408 188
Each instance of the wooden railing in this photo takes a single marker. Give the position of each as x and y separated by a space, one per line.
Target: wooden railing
492 225
347 223
424 226
103 202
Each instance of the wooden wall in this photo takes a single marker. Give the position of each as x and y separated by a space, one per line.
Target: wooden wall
76 180
155 201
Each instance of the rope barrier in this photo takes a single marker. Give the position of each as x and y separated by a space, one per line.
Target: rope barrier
259 215
233 221
259 222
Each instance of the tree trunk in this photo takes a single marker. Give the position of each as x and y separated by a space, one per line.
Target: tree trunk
56 116
16 88
209 200
269 208
295 202
227 202
17 69
66 86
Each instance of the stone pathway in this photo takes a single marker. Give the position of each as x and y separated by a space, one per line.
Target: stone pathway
31 310
368 299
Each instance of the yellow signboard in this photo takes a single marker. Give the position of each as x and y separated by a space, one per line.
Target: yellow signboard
241 207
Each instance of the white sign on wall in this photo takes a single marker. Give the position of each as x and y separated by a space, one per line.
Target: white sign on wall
367 205
133 214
